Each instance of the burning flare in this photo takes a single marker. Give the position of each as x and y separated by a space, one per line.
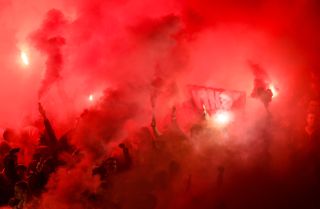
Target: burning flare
90 98
222 118
24 58
274 90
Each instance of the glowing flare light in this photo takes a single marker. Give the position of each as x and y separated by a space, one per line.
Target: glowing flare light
94 97
274 90
24 58
90 98
222 118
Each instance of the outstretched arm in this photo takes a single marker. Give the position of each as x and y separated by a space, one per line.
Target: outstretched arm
127 156
174 118
154 127
47 125
42 111
205 114
174 115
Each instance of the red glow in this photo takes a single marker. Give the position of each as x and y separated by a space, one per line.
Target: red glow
95 65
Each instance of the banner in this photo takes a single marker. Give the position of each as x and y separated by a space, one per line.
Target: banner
217 99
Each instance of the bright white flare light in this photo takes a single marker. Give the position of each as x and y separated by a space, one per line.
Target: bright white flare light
274 90
222 118
24 58
94 97
90 98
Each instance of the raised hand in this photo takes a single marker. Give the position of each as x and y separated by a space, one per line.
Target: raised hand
41 110
174 113
153 123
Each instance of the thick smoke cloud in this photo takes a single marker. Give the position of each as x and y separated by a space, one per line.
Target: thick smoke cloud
104 69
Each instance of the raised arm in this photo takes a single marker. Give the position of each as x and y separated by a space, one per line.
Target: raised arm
154 127
174 115
205 114
127 156
51 134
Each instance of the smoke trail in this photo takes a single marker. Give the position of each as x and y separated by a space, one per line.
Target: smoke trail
48 39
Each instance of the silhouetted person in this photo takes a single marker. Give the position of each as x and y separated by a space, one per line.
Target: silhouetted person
21 195
49 138
9 176
5 142
40 177
10 165
127 157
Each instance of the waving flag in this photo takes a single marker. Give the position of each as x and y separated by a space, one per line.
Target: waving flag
217 99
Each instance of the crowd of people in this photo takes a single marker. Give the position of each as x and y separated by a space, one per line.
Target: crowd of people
18 182
165 169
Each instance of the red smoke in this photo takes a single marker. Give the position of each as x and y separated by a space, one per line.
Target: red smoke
49 41
136 59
